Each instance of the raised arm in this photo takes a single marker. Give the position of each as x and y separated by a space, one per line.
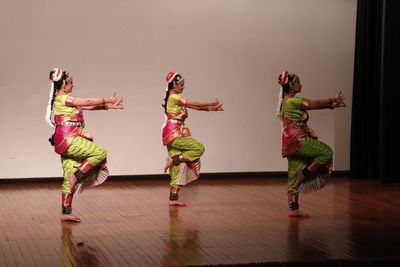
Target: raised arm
333 102
112 102
106 106
205 106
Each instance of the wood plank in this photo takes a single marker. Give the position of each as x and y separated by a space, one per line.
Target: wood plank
228 221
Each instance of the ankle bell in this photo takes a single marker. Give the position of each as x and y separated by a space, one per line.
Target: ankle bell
66 209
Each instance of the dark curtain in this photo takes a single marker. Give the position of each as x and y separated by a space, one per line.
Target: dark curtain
376 81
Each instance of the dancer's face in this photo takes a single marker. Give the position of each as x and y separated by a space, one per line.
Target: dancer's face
69 85
178 87
296 87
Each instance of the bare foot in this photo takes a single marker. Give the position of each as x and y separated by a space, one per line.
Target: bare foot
168 163
297 213
70 218
177 203
72 182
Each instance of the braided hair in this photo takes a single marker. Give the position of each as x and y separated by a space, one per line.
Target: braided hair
58 77
285 80
172 79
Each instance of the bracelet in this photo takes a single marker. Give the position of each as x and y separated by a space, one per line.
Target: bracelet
104 104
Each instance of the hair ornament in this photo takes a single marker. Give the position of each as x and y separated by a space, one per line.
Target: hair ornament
283 78
56 74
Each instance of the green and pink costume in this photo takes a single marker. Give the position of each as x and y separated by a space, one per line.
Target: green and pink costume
177 137
302 149
77 149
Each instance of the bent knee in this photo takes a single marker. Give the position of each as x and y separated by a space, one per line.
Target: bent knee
102 154
201 149
329 153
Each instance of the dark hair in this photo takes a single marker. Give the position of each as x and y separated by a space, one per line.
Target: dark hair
291 80
170 86
59 83
56 87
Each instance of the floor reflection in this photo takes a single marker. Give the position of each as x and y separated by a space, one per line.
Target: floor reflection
182 245
309 246
374 228
78 253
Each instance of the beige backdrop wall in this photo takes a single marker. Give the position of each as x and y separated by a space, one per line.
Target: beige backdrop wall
230 49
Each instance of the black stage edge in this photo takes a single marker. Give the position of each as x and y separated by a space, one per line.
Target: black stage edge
387 262
210 175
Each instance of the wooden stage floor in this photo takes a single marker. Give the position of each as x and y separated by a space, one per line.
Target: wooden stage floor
128 223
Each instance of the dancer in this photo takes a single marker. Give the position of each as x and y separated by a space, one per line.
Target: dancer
184 152
83 161
309 160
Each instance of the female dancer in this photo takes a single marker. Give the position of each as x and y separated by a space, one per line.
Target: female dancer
310 160
83 161
184 152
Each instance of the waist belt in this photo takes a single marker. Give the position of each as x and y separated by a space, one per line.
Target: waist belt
70 123
175 121
295 123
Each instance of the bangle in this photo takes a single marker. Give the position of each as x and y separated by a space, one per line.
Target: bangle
104 104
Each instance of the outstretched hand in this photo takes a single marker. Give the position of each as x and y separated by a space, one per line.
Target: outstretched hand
215 102
339 100
113 99
117 104
216 106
